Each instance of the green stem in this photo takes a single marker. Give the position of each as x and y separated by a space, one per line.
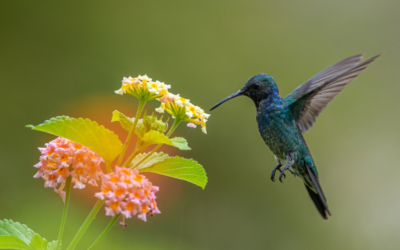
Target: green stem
174 126
105 231
171 130
142 102
64 216
131 157
85 224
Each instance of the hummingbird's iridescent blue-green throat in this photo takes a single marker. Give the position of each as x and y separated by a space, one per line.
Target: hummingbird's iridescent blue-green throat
282 121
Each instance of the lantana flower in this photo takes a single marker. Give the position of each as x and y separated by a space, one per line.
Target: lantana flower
143 87
62 158
128 193
181 108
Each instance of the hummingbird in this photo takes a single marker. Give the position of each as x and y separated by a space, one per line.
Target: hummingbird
283 121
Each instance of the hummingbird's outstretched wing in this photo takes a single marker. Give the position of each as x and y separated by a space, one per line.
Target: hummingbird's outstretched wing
309 99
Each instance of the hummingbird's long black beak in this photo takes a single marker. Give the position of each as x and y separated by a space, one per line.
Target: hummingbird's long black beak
239 93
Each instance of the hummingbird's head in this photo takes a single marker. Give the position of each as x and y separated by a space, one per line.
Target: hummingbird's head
258 88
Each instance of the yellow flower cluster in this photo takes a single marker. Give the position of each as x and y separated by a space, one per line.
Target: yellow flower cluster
143 87
182 109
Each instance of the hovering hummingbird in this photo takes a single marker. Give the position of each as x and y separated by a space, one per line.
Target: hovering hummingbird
282 121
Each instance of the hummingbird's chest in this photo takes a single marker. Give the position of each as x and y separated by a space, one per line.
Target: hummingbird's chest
278 128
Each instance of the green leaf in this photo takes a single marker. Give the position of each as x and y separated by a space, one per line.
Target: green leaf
11 242
154 137
151 160
52 245
85 132
38 243
180 143
180 168
16 229
127 123
13 235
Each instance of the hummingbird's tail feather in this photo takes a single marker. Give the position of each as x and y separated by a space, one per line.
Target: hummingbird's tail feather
319 203
319 197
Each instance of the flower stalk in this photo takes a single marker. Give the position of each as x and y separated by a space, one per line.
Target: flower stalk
85 225
110 224
64 216
142 102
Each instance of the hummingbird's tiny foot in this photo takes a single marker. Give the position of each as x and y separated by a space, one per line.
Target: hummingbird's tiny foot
274 170
283 172
280 177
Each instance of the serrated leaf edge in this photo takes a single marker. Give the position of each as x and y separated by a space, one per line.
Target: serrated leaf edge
12 223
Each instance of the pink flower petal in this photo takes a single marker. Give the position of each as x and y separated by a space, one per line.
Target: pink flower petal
191 125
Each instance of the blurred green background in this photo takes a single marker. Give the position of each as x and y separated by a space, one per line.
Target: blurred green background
67 58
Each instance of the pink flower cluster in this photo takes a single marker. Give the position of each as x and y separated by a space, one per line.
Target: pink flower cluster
128 193
62 158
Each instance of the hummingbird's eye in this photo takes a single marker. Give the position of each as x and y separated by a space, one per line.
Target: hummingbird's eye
256 85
